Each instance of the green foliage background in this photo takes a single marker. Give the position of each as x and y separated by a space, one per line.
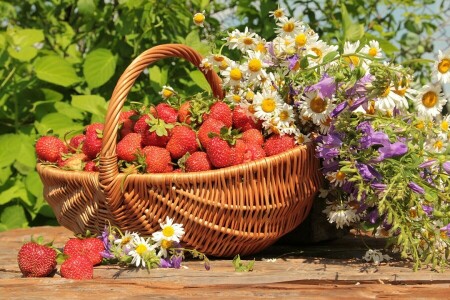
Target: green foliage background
60 60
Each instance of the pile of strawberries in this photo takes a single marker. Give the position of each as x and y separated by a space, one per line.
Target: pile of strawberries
78 258
190 137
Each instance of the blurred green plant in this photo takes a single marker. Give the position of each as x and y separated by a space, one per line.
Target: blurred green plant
60 60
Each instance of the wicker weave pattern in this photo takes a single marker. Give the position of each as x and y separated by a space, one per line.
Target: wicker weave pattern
235 210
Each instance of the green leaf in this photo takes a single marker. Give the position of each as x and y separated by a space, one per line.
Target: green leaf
34 184
52 95
198 77
46 211
26 153
5 174
25 53
355 32
9 154
155 75
240 267
69 110
86 7
330 56
99 67
26 37
16 191
90 103
59 123
56 70
13 216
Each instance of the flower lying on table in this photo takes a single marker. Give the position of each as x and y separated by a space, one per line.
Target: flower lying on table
162 249
384 145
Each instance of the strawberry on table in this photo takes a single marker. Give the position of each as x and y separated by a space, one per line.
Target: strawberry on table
77 267
36 259
91 247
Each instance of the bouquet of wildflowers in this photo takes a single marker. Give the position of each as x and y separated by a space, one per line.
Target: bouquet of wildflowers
162 249
382 140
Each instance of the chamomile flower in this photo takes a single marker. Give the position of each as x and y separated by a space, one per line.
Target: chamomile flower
255 65
372 49
305 38
324 125
267 104
233 75
429 101
235 96
206 65
301 138
336 178
164 246
289 27
441 71
444 124
232 39
260 45
141 250
199 19
246 40
437 144
170 232
284 46
285 115
125 241
319 50
278 13
316 107
351 48
389 100
167 92
340 213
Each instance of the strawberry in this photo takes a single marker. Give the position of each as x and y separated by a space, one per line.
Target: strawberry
36 260
244 120
198 161
183 140
77 267
276 144
126 124
141 124
184 114
129 147
157 132
158 159
237 152
90 247
219 152
91 166
253 136
74 162
210 125
76 143
93 142
166 112
50 148
254 152
222 112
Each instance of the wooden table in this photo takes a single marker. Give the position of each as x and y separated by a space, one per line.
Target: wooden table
321 271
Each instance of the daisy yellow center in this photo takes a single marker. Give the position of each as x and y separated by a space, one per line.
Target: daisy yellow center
288 27
167 93
218 58
247 40
168 231
386 92
429 99
125 240
268 105
141 249
249 96
199 18
340 176
444 125
300 40
354 60
260 47
317 51
236 74
373 51
444 65
223 65
400 92
318 105
165 244
284 115
420 125
301 139
438 144
236 98
254 65
278 13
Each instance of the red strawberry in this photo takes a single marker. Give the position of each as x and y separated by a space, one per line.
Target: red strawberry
219 152
276 144
253 136
74 162
158 159
50 148
166 112
141 125
254 152
76 143
198 161
222 112
77 267
126 124
244 120
184 114
129 147
183 140
90 166
151 138
36 260
210 125
238 152
90 247
93 142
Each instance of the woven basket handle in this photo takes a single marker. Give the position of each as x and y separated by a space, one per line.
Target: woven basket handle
108 169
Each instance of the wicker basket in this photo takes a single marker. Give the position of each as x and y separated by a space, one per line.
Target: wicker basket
235 210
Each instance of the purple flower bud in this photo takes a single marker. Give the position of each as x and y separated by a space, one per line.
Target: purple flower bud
379 187
446 167
416 188
338 109
375 138
427 163
373 216
367 172
326 87
427 209
173 262
293 60
391 150
446 228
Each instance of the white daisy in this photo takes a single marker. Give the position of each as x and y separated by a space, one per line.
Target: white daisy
437 144
389 100
255 65
260 45
429 101
232 39
444 124
235 96
246 40
285 115
441 71
167 92
324 125
305 38
126 240
336 178
372 49
199 19
278 13
319 50
164 246
300 138
340 213
266 104
284 46
351 48
289 27
233 75
141 250
170 232
316 107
